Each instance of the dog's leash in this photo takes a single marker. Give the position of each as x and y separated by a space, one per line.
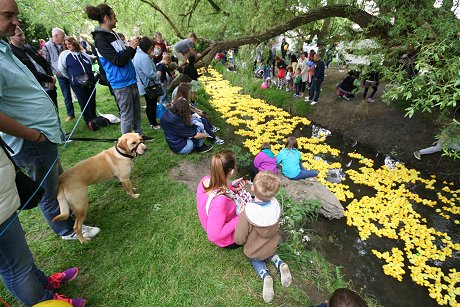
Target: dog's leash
90 139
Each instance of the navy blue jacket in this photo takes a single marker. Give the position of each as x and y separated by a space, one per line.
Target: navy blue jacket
176 131
319 69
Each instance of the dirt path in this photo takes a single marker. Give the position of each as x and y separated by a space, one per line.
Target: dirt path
382 127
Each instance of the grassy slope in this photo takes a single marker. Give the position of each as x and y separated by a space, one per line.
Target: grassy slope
153 251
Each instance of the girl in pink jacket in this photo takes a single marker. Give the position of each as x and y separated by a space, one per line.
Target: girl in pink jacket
218 203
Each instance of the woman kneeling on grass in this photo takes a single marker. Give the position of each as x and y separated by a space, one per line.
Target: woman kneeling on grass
291 161
218 202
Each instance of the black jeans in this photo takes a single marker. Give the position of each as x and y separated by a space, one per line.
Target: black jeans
366 89
151 110
84 96
315 89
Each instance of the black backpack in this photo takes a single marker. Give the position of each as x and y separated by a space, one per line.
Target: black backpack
97 123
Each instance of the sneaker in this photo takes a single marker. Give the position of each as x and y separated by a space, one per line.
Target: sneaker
267 293
88 232
215 129
218 141
417 155
313 103
155 127
75 302
68 118
295 95
147 138
286 278
370 100
345 97
307 99
204 148
57 280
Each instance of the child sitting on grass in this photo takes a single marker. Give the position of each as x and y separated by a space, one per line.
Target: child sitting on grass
257 230
291 161
265 160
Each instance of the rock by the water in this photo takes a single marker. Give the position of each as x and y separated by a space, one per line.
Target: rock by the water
296 190
300 190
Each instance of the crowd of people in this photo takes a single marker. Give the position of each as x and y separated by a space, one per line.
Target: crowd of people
304 72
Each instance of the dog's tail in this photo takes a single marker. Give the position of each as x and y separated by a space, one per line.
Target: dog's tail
63 205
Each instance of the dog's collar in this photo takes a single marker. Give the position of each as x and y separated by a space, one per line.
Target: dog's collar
123 154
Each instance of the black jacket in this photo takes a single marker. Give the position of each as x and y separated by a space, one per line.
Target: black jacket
22 55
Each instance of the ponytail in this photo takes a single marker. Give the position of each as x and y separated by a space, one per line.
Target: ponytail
221 165
98 12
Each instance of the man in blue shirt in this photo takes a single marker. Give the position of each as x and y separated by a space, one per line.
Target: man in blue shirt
30 125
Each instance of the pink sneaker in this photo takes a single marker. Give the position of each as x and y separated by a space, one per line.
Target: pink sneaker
75 302
57 280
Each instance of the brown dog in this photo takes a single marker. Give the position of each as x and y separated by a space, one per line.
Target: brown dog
113 162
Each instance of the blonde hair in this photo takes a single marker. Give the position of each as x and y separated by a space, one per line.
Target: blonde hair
266 185
222 164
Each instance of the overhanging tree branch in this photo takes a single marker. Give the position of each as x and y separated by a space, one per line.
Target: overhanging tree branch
171 23
372 25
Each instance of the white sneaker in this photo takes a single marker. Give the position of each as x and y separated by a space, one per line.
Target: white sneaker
417 155
313 103
286 278
218 141
267 293
214 129
307 99
88 232
370 100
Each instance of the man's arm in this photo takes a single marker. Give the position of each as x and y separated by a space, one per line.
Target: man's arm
119 59
12 127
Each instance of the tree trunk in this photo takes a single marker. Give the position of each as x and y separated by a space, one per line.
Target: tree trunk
365 20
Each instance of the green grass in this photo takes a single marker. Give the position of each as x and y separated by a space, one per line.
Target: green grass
152 251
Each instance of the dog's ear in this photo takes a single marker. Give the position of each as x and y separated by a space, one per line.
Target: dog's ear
123 144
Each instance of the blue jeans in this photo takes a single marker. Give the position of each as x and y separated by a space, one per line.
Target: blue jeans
164 99
261 268
17 268
305 174
192 143
64 85
37 158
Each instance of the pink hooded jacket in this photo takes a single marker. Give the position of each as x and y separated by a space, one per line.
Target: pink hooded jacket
221 220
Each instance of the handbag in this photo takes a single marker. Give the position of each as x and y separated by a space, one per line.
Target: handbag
30 192
152 91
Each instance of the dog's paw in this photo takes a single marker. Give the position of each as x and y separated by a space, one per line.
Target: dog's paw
135 195
84 240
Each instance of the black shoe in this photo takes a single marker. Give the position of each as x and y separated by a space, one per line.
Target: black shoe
147 138
204 148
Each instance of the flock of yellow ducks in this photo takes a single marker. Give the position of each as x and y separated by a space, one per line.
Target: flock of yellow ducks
388 213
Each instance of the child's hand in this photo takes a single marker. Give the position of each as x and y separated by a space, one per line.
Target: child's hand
238 184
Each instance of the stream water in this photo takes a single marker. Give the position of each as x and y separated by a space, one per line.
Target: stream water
342 246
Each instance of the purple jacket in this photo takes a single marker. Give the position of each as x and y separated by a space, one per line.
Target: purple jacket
266 161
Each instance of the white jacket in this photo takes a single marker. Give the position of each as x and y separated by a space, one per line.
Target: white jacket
9 198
